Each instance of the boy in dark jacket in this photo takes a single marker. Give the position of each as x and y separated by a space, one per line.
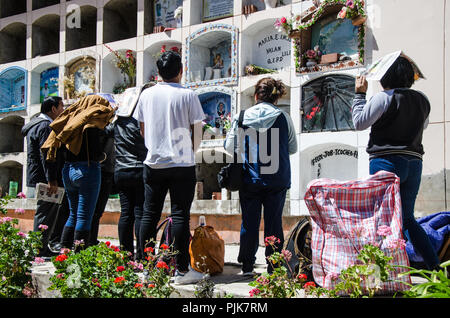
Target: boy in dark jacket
41 171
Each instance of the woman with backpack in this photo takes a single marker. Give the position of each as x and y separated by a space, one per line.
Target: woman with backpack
268 134
398 116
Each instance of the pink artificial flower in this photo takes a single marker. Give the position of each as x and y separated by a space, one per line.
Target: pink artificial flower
21 195
350 4
277 23
384 230
271 240
19 211
21 234
43 227
27 291
343 13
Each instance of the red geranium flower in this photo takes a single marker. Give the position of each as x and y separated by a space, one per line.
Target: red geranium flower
164 246
162 264
138 285
309 284
302 277
151 286
108 243
61 258
149 249
120 269
119 279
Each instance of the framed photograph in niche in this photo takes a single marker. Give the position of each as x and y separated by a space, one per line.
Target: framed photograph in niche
219 106
211 56
217 9
164 10
49 83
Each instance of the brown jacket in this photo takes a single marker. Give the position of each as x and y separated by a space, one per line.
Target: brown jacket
89 112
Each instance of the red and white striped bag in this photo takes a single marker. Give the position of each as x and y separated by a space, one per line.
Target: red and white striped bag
346 215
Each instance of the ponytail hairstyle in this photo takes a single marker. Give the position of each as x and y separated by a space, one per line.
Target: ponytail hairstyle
269 90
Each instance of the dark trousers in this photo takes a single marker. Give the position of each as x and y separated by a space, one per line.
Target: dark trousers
106 185
409 170
130 184
54 216
180 183
252 198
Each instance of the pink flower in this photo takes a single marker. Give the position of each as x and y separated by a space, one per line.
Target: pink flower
38 260
43 227
27 291
397 244
263 280
271 240
287 255
384 230
277 23
350 4
283 20
21 195
254 292
19 211
343 13
21 234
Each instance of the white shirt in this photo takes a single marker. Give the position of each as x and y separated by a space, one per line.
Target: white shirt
168 110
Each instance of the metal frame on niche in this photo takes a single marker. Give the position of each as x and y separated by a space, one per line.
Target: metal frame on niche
224 90
214 27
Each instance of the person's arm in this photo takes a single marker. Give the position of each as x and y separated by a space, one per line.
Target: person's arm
293 147
50 168
365 114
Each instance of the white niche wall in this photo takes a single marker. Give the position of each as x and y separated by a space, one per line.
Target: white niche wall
201 48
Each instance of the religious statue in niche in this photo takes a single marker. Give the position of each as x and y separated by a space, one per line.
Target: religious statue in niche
217 109
220 59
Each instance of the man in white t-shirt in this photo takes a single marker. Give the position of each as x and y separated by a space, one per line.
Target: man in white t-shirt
170 119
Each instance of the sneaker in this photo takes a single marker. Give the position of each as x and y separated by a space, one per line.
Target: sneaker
247 274
55 248
190 277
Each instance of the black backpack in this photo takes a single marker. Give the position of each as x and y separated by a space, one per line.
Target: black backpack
298 242
230 176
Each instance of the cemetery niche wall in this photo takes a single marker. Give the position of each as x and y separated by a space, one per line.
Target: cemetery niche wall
13 89
211 56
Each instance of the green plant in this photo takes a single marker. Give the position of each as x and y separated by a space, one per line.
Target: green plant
17 252
279 283
159 268
100 271
126 64
204 288
436 286
364 278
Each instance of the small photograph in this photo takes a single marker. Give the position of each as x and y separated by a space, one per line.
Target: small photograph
217 109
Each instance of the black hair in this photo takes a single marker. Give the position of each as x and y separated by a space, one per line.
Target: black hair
49 102
169 65
399 75
269 90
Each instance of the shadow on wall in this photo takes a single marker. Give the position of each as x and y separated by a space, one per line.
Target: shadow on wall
433 194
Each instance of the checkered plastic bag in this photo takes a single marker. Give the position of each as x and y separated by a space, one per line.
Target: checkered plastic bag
345 216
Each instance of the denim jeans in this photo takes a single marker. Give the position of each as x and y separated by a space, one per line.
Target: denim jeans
130 184
180 183
409 170
252 198
82 184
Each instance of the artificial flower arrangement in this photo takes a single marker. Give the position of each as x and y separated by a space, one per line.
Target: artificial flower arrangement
293 26
175 49
127 66
313 54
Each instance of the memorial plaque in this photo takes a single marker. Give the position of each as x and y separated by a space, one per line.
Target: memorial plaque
164 12
217 109
273 50
217 9
49 83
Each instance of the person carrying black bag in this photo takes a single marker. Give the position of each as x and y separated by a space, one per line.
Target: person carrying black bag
269 134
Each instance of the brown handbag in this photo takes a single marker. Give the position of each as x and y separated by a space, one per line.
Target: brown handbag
207 251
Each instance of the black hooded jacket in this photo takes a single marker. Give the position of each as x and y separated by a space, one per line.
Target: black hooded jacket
39 170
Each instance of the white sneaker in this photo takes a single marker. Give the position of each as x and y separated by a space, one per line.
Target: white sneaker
190 277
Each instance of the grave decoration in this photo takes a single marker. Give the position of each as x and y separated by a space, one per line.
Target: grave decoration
79 80
211 56
127 66
168 14
49 83
217 9
13 83
340 18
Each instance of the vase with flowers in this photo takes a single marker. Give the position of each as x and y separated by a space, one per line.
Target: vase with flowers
312 56
127 65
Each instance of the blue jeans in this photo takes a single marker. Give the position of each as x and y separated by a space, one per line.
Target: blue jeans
82 184
252 198
409 170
